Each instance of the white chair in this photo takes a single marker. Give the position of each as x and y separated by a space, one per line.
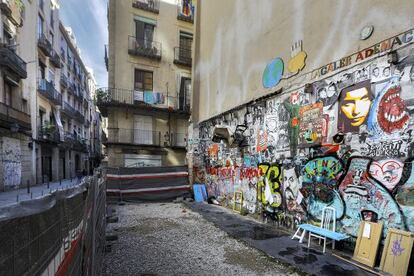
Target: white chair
328 222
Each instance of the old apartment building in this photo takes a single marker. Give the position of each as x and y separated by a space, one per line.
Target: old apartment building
147 101
49 121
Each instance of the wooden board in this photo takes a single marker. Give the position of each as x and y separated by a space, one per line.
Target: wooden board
237 201
366 247
397 251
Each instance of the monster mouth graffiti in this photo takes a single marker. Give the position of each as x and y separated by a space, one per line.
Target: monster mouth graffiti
392 114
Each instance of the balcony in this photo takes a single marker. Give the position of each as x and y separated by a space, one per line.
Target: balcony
10 116
144 47
62 54
44 45
64 81
147 5
55 59
80 144
134 137
71 88
48 133
178 140
10 60
13 11
182 56
148 100
79 117
185 11
68 109
47 90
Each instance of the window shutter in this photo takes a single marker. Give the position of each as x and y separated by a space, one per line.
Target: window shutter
139 29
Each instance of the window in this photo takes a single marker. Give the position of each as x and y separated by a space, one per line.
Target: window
52 21
25 107
7 94
42 70
186 40
52 38
39 26
143 80
186 7
185 94
41 4
144 32
143 133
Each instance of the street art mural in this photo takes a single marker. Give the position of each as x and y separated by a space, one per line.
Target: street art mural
354 105
313 125
361 193
11 159
291 167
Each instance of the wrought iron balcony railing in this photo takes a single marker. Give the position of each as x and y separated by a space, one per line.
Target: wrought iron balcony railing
71 87
147 5
68 109
144 47
47 89
48 134
63 81
10 60
44 44
79 116
182 56
11 116
55 59
134 136
106 97
185 11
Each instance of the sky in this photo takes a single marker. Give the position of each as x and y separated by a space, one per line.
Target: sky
88 20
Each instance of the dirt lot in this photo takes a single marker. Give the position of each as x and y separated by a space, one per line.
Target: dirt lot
169 239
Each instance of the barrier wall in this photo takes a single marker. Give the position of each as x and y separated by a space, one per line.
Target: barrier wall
62 233
343 140
147 183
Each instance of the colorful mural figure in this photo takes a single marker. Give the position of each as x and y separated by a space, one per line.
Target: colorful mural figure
270 185
291 191
313 125
273 73
388 172
354 105
292 105
389 112
361 192
319 185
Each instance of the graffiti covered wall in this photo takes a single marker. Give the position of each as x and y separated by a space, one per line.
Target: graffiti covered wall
345 141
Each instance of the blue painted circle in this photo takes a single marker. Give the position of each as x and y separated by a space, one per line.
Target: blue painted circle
273 73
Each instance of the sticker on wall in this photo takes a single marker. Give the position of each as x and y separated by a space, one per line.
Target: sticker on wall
298 58
354 105
313 125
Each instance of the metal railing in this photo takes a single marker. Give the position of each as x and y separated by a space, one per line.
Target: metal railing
48 134
44 44
47 89
134 136
12 115
63 80
68 109
178 140
182 56
185 11
71 87
133 97
55 59
79 116
10 60
144 47
147 5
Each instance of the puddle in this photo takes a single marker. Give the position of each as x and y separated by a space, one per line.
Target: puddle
307 259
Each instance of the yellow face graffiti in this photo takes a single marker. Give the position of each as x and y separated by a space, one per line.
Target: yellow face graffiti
356 105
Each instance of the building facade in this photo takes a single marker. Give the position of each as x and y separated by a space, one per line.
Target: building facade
147 104
49 116
15 123
310 106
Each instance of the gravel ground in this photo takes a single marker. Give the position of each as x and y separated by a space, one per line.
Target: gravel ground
169 239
